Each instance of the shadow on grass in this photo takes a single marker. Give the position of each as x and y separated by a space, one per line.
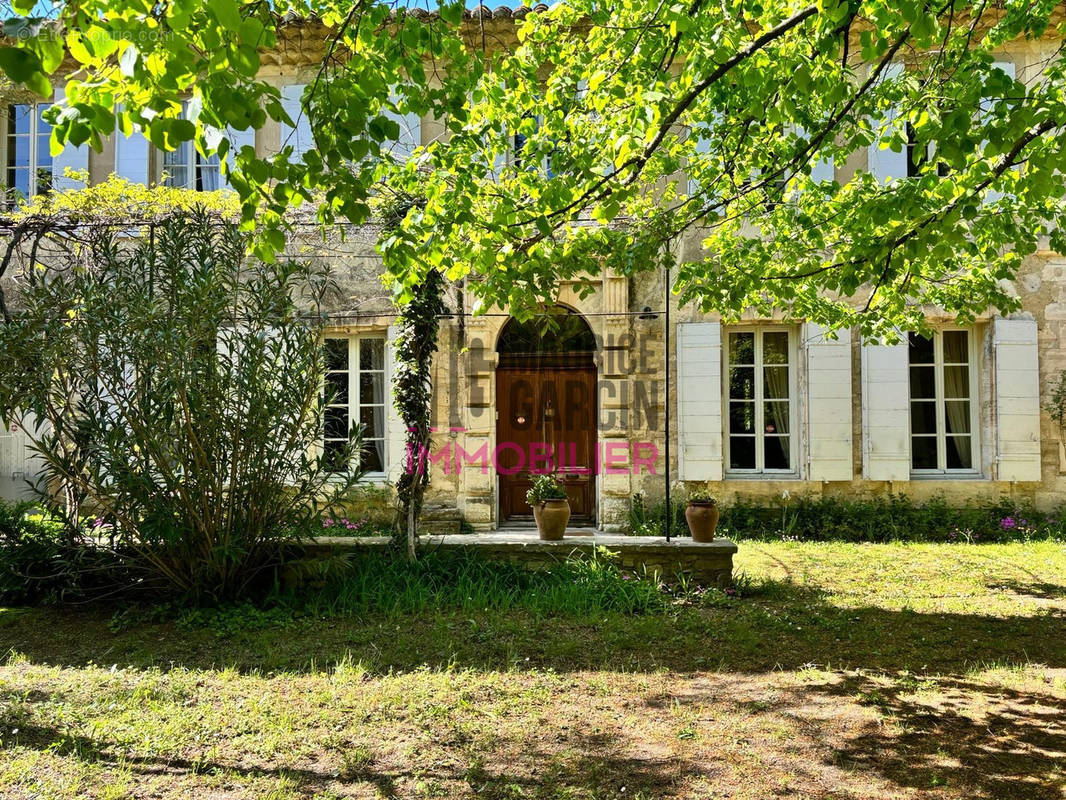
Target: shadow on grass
582 764
780 626
948 732
1041 590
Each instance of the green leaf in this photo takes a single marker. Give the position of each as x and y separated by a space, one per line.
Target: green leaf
25 67
228 13
452 13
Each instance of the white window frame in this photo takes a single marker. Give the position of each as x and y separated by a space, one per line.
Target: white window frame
36 109
355 404
760 427
938 391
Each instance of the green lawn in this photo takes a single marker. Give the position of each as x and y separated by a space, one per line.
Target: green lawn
848 671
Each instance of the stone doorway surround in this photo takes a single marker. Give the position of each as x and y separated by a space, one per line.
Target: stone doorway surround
606 310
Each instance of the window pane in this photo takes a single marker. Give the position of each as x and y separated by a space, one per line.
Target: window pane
208 174
775 382
775 417
336 353
742 348
333 452
923 383
923 417
44 152
957 382
18 154
371 460
741 452
775 347
372 418
957 416
775 452
959 452
921 349
336 388
742 418
372 354
18 119
177 176
19 181
742 383
923 452
336 423
371 388
956 347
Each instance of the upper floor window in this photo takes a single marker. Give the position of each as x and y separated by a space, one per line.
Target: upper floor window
942 394
760 392
355 395
29 160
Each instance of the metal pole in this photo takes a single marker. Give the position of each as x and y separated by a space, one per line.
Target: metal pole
666 471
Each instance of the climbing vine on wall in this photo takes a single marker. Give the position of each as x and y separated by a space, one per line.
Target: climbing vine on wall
416 343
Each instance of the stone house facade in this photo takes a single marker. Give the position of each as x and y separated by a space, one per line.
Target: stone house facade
757 409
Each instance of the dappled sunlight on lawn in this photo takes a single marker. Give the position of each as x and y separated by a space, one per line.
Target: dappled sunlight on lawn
818 681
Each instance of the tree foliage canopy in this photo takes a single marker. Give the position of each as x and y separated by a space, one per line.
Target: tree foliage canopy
610 106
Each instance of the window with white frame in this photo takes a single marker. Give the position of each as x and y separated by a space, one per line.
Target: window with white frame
760 392
355 395
186 168
29 160
942 395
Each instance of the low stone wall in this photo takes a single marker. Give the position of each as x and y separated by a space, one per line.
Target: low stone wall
708 564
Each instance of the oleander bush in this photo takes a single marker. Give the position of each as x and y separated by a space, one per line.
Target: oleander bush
181 383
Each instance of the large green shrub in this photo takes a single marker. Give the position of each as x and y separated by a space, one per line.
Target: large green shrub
181 384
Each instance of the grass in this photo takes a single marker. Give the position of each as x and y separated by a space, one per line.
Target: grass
842 671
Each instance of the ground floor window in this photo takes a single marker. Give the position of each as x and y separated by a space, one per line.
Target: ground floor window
759 396
942 393
354 394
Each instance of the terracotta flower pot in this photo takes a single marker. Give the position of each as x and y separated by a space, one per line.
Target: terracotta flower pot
551 517
702 520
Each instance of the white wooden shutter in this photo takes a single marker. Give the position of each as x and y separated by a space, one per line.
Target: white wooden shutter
699 401
886 412
76 158
20 466
884 164
1017 399
395 434
300 137
131 157
829 399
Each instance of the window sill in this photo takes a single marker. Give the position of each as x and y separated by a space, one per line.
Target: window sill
761 476
948 476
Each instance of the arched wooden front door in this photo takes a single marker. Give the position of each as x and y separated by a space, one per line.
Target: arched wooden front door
546 411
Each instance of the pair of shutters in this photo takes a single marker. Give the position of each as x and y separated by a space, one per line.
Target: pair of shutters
885 404
301 138
827 362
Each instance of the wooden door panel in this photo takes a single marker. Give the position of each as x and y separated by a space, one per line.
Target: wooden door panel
546 406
